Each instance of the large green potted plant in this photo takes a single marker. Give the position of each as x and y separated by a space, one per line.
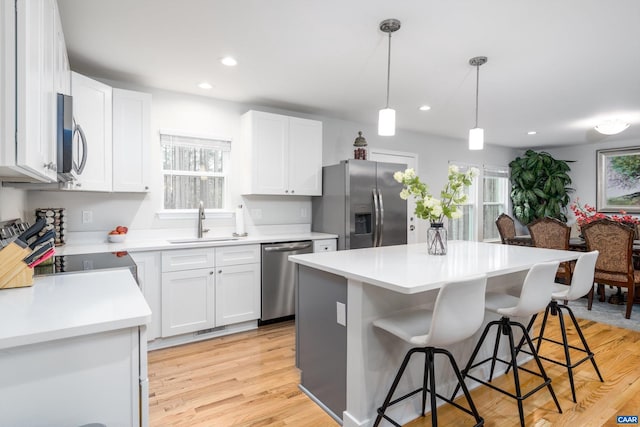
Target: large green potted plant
539 186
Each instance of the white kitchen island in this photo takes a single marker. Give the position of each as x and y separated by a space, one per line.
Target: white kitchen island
346 365
73 351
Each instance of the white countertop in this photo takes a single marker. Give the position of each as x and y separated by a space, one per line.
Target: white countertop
162 243
408 269
70 305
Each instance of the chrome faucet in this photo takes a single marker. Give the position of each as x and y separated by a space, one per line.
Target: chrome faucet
201 218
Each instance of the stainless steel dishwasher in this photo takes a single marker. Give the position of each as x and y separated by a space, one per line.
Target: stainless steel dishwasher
279 278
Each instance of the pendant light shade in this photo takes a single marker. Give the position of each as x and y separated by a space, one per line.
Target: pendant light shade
476 135
387 116
387 122
476 139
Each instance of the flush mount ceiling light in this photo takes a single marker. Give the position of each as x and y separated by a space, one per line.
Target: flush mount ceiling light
611 127
205 85
476 135
424 108
387 116
229 61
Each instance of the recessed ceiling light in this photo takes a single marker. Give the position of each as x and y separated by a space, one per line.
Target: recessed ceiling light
532 132
424 108
229 61
205 85
611 127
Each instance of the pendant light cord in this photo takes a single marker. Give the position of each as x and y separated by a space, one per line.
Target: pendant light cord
477 90
389 70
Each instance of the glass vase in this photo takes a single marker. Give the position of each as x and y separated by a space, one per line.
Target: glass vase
437 239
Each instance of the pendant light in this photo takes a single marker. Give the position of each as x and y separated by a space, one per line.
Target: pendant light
387 116
476 135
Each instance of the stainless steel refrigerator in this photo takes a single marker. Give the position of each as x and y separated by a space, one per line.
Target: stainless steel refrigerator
361 204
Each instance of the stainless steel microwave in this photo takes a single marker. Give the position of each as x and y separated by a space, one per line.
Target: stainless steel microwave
72 144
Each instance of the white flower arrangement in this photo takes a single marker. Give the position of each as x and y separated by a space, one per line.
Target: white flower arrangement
429 207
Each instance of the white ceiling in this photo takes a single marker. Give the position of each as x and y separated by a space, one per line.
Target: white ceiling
555 67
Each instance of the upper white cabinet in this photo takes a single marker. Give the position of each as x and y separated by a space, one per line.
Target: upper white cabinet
283 154
92 112
131 125
7 86
34 69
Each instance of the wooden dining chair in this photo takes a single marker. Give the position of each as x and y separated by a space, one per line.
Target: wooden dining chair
614 266
551 233
506 227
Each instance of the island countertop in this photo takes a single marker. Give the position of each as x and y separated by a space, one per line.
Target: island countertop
70 305
408 269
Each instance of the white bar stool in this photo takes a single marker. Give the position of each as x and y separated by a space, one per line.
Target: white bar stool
581 284
457 314
534 297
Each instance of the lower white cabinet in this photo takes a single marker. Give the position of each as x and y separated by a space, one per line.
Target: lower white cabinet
237 293
149 276
205 288
188 301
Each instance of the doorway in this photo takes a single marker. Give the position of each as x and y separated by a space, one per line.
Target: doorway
411 160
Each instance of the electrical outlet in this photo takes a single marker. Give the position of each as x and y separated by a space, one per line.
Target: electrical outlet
87 217
303 212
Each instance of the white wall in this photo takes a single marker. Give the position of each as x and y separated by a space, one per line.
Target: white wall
583 166
221 118
12 203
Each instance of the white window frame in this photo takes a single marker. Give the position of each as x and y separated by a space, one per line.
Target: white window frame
223 212
476 199
502 172
474 194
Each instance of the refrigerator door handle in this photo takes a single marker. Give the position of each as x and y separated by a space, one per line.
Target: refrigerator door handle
376 210
381 223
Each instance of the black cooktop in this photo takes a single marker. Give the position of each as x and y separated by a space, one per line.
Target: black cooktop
84 262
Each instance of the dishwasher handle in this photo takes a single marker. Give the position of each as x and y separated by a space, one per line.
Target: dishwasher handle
287 247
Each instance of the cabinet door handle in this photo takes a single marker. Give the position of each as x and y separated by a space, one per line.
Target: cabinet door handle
286 191
219 271
211 273
292 191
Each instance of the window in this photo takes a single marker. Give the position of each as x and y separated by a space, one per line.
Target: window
484 205
495 199
194 169
464 227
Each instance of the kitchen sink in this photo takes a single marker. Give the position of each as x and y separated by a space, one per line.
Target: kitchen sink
203 239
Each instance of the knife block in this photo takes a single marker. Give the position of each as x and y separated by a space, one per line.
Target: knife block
14 273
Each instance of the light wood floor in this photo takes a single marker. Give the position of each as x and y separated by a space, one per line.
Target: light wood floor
249 379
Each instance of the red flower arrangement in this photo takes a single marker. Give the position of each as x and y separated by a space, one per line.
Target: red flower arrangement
587 214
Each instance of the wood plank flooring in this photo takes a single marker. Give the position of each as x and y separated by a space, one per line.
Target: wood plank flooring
249 379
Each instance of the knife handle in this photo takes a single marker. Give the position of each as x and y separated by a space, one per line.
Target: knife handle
33 230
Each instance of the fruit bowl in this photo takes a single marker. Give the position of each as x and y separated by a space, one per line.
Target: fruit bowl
117 238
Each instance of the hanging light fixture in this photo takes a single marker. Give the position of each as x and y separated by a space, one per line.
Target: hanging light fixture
476 135
387 116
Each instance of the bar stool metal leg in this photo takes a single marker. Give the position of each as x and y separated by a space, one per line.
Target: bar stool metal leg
429 378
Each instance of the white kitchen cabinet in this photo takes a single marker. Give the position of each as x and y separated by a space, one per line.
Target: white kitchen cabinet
204 288
283 154
324 245
188 294
237 293
237 284
131 150
188 301
33 69
7 87
92 110
62 69
150 282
